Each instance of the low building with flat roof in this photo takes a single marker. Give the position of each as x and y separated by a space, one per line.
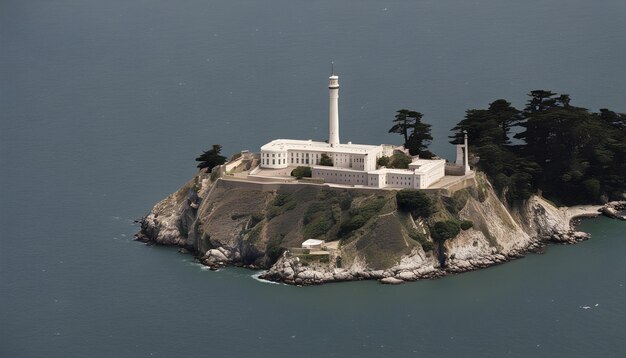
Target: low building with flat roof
352 164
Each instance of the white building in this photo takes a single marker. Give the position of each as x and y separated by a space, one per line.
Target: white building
353 164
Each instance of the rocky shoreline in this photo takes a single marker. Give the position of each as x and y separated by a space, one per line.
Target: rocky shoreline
291 271
223 230
615 210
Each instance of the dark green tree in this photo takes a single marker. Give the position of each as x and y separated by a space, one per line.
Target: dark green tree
445 230
301 172
383 161
399 161
325 160
420 138
569 153
211 158
403 122
415 202
416 134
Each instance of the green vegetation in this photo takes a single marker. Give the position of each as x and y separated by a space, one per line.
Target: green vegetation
361 215
456 202
415 202
466 225
383 161
571 154
416 133
273 249
301 172
400 161
280 204
325 160
211 158
444 230
318 219
323 215
307 259
422 239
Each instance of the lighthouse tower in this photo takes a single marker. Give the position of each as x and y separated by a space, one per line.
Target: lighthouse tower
333 110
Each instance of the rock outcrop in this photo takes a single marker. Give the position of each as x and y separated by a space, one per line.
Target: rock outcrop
225 222
615 210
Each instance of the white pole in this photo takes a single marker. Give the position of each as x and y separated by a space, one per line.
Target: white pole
333 111
466 155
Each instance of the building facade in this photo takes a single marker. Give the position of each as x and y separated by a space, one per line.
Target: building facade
353 164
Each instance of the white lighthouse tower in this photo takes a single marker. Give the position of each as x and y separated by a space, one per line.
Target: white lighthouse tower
333 110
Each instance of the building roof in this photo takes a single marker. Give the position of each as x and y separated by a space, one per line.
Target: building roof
312 242
310 145
418 166
423 165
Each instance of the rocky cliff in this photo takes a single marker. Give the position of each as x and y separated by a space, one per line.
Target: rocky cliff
228 222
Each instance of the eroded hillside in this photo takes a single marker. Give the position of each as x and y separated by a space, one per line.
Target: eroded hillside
366 235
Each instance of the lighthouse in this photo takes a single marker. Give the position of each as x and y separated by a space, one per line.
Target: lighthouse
333 110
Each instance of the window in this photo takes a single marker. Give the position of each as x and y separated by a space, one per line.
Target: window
274 161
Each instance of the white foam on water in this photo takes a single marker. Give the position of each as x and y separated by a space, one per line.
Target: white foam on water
259 273
199 265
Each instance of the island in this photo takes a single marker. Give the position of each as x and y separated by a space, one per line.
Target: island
310 212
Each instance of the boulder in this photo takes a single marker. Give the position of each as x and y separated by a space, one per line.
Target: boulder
407 276
391 281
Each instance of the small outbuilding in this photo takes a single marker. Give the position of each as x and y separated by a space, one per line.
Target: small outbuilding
312 244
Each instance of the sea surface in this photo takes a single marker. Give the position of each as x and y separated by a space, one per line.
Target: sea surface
105 104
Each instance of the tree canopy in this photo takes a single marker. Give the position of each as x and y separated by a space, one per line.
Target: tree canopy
301 172
415 202
444 230
325 160
211 158
416 134
571 154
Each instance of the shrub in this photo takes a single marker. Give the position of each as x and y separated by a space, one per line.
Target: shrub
400 161
360 216
325 160
255 218
280 199
274 253
354 223
274 249
280 204
310 212
427 246
345 202
417 236
383 161
444 230
302 172
319 225
466 225
414 201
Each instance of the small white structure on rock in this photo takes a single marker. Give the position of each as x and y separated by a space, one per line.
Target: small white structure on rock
353 164
462 155
312 244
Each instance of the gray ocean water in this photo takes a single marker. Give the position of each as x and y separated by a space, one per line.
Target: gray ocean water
105 104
